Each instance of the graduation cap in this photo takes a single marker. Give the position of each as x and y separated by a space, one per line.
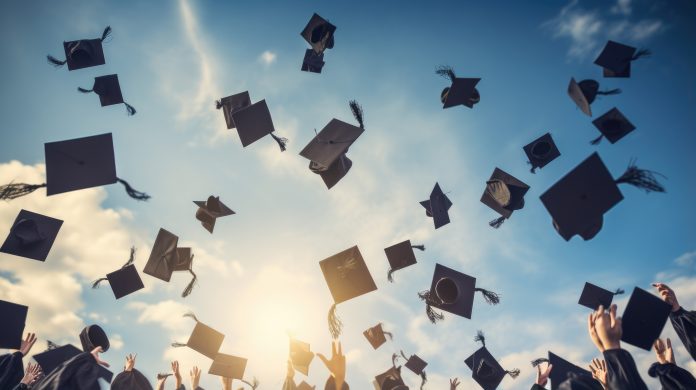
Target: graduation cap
313 62
301 356
643 319
73 165
14 317
578 201
453 291
504 193
486 370
93 336
416 365
231 104
541 151
377 336
253 121
437 206
32 235
562 370
203 339
228 366
585 92
390 379
123 281
616 59
462 91
83 53
613 125
327 150
319 33
401 256
109 91
56 355
131 380
347 277
166 258
210 210
593 296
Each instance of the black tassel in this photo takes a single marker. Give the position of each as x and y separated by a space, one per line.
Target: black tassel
446 72
50 345
641 178
533 169
130 109
131 259
281 141
641 53
191 315
335 324
253 384
162 376
178 345
395 357
403 355
55 62
419 247
539 361
496 223
513 373
189 288
106 33
16 190
137 195
619 291
480 338
424 378
614 91
597 140
490 297
433 316
95 284
390 275
218 104
388 334
357 112
84 90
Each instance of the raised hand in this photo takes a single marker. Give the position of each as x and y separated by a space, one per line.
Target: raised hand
664 352
337 364
593 332
27 343
290 373
32 372
667 295
608 327
195 374
226 383
454 383
130 362
599 371
95 354
176 373
543 376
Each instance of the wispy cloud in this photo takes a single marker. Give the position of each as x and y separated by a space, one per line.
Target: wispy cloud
622 7
267 57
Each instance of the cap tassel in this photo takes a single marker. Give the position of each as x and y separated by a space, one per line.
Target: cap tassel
281 141
513 373
137 195
641 53
395 357
539 361
85 90
191 315
424 378
496 223
614 91
16 190
131 259
446 72
389 334
533 168
597 140
95 284
335 323
189 287
419 247
55 62
403 355
390 275
433 316
50 345
218 104
491 297
106 33
253 384
161 376
357 112
178 345
619 291
130 109
641 178
480 338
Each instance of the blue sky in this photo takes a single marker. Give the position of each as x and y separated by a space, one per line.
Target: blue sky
259 277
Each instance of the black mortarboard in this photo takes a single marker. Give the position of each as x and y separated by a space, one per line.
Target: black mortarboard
390 380
231 104
585 92
616 59
93 336
613 125
50 359
593 296
415 364
83 53
347 277
124 281
109 91
203 339
254 122
376 336
453 291
437 206
562 369
327 150
210 210
401 256
319 33
14 317
462 91
504 194
485 369
301 356
313 62
643 319
32 235
578 201
167 258
541 151
228 366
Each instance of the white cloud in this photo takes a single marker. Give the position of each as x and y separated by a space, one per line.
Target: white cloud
582 27
622 7
686 259
267 57
645 29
